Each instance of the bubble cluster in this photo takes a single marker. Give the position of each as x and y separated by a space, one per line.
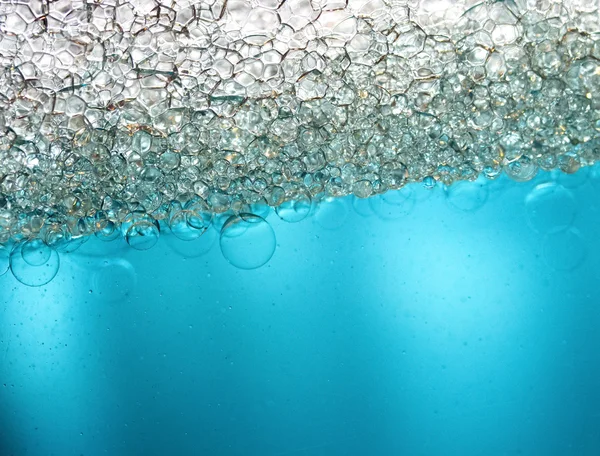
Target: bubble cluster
122 117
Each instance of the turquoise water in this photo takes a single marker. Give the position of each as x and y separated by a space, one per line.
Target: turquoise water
421 322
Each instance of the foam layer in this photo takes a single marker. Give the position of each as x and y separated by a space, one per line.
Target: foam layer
119 116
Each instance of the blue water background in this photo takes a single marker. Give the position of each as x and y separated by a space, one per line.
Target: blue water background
449 324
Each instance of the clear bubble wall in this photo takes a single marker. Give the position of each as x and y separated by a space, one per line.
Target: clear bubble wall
126 118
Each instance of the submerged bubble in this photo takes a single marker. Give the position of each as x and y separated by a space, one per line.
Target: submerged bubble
521 170
295 210
190 223
247 241
331 213
564 250
550 207
35 252
33 275
114 280
467 196
4 259
142 235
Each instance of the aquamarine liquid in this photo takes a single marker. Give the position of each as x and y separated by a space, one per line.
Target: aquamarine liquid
423 322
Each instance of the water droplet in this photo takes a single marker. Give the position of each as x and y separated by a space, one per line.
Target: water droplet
467 196
564 250
33 275
247 241
143 234
295 210
331 213
550 208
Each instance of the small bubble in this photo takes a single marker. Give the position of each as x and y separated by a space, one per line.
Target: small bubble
247 241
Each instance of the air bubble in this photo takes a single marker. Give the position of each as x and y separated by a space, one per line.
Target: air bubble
331 213
114 280
247 241
30 274
35 252
295 210
467 196
142 235
550 207
521 170
4 259
190 223
564 250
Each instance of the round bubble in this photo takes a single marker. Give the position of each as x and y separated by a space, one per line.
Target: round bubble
400 196
189 224
467 196
109 231
522 170
4 260
35 252
332 213
143 235
72 244
574 180
30 274
195 248
295 210
388 207
114 280
247 241
550 207
361 206
564 250
261 208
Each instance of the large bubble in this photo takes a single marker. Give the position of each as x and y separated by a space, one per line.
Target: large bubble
247 241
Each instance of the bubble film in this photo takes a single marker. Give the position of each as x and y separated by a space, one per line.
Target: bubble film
119 117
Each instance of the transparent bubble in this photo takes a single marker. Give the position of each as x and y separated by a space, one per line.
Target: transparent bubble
467 196
362 206
194 248
71 245
564 250
114 280
143 235
574 180
332 213
4 259
35 252
522 170
295 210
550 207
189 224
33 275
403 202
247 241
